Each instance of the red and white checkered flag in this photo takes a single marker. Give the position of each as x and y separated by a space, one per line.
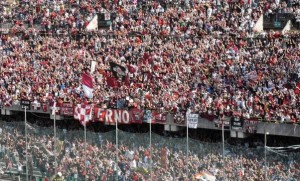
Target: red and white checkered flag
55 109
83 113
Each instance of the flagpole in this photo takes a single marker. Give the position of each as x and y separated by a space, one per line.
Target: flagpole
87 81
55 154
85 151
150 149
117 154
223 147
26 144
187 148
266 169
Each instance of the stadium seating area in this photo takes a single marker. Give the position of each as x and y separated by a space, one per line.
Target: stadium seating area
168 157
202 55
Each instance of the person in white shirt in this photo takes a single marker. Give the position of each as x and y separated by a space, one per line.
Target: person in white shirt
209 12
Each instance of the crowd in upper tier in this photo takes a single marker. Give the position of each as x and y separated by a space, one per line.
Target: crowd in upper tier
197 54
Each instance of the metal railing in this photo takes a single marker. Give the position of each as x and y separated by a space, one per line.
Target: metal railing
167 158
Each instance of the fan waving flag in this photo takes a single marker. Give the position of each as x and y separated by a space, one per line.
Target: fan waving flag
8 102
83 113
93 24
87 85
117 70
297 89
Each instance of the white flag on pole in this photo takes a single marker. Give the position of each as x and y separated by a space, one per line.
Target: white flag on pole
93 25
83 113
54 109
87 85
192 120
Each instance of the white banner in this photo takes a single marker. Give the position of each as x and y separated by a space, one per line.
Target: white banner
192 120
93 24
93 66
107 16
259 25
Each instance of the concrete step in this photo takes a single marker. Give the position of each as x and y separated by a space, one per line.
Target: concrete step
7 178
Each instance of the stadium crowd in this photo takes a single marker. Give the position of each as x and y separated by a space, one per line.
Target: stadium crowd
198 54
134 158
205 55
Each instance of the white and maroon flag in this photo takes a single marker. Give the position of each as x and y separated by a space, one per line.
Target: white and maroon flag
83 113
8 101
67 109
87 85
36 105
250 3
55 109
93 24
44 106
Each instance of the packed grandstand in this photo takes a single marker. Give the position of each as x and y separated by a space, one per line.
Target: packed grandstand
194 54
207 57
165 160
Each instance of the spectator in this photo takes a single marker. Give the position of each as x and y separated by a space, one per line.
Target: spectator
169 160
